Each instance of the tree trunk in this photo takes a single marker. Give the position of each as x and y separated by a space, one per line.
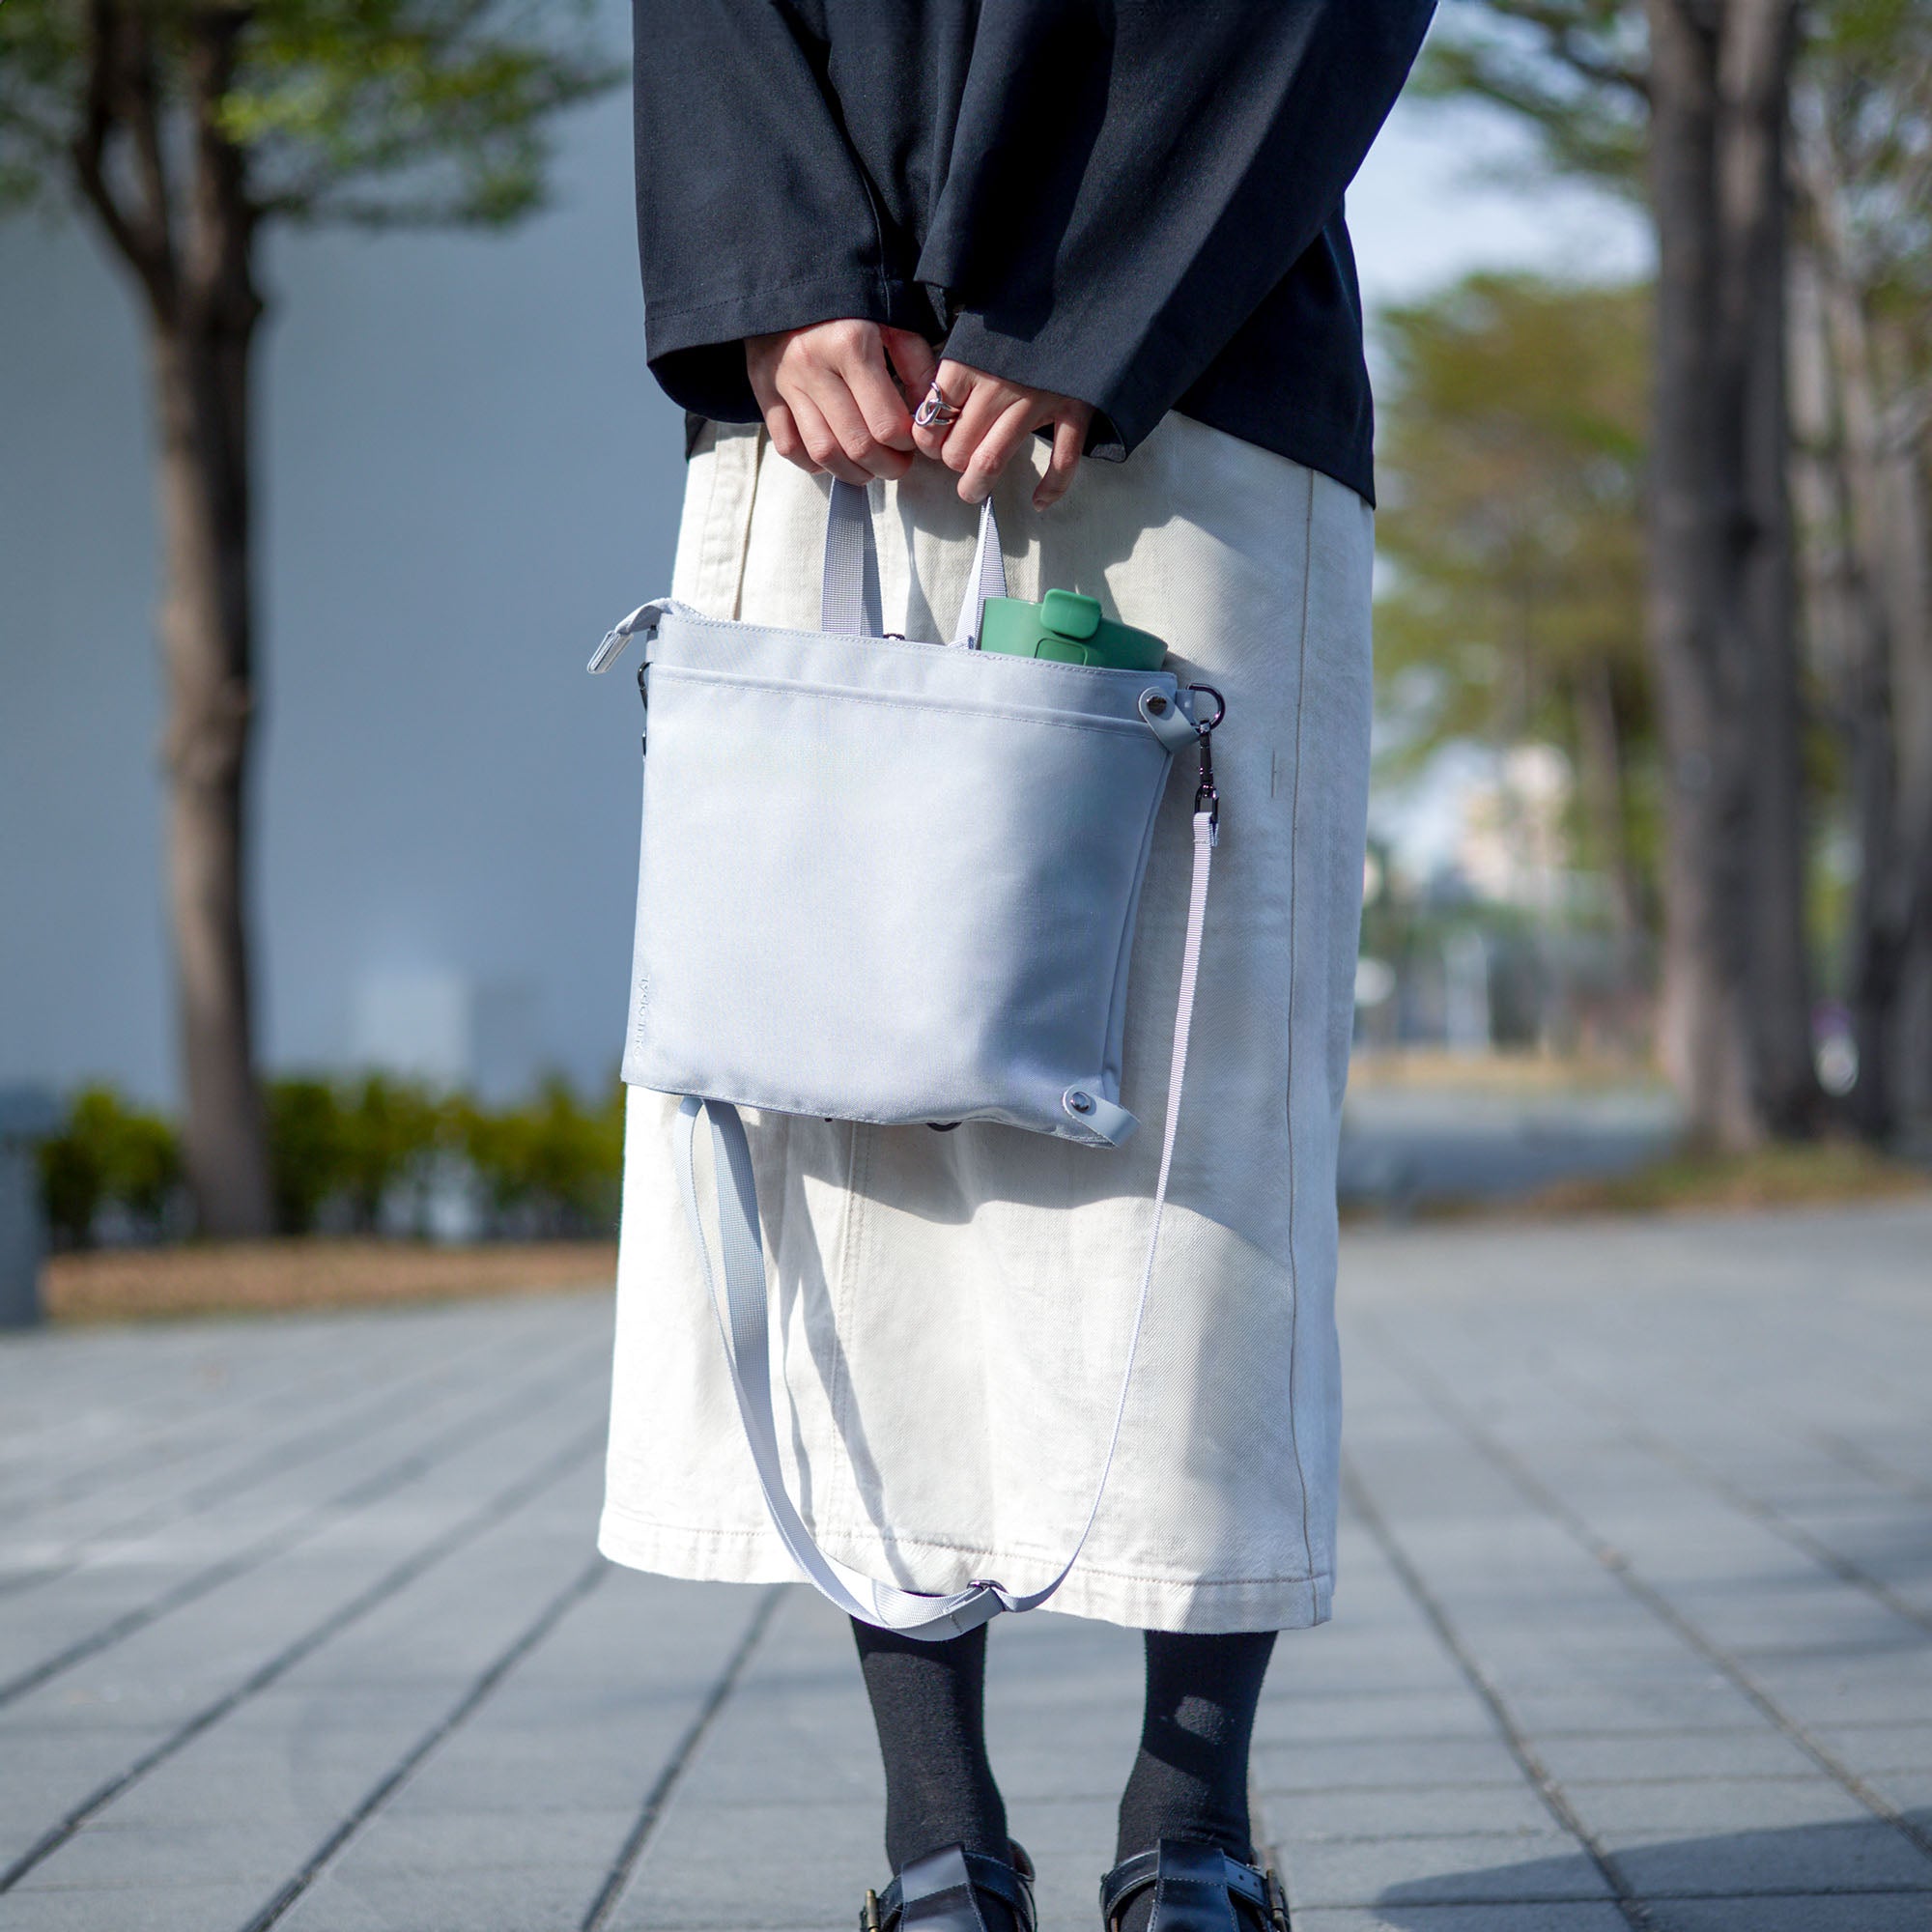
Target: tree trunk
1909 578
202 332
1733 1019
168 187
201 371
1881 911
1754 80
1879 656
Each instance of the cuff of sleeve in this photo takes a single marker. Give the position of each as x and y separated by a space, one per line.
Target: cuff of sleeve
697 350
1122 419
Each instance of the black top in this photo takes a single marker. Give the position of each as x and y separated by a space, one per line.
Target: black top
1134 202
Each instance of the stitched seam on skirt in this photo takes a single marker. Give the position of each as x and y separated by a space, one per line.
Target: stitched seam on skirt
851 1245
1294 911
1181 1578
735 478
746 509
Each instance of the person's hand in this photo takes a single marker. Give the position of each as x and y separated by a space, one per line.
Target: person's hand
995 421
834 395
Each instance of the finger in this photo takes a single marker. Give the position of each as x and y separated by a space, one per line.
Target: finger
956 384
1061 465
986 401
762 358
998 447
782 426
913 356
821 441
758 369
869 377
831 395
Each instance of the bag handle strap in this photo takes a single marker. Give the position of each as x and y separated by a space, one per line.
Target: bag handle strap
745 1322
849 597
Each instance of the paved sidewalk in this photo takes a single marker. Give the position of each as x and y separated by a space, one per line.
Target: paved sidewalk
300 1625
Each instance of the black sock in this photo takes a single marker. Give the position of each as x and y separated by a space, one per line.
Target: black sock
1190 1780
929 1702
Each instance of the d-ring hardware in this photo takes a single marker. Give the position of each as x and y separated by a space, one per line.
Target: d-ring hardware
1220 706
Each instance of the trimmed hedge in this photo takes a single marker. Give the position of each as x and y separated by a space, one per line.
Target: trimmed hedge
351 1156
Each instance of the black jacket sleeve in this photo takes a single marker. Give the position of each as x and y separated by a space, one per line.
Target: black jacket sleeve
1120 198
753 213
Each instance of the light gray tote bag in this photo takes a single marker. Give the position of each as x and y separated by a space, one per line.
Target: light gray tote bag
893 882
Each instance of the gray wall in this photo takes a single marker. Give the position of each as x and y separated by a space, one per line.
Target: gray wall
467 474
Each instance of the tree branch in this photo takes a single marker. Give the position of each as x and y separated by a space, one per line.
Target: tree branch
142 235
1568 34
144 120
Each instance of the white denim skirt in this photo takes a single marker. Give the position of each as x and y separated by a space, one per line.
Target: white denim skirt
951 1309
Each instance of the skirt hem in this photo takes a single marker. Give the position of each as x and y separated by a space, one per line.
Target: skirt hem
1197 1606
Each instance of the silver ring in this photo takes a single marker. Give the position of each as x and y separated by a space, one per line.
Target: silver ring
935 411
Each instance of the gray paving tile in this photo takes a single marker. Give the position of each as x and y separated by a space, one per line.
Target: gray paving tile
176 1908
534 1771
525 1898
1595 1710
1870 1747
1910 1790
1382 1765
101 1856
811 1866
1433 1811
1715 1804
1404 1715
1441 1871
1674 1756
487 1840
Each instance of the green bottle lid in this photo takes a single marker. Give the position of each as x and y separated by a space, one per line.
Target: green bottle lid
1066 627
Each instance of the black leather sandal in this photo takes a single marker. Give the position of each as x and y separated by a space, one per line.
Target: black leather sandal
939 1892
1197 1888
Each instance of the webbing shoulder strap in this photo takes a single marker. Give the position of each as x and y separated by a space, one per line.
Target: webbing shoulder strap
744 1320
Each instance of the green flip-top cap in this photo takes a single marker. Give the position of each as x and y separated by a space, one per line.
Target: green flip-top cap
1067 627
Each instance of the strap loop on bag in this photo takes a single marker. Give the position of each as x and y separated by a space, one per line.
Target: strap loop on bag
745 1322
849 596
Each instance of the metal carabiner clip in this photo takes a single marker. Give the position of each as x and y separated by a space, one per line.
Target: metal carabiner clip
1206 795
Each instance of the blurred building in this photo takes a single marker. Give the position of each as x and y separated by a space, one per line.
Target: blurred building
1515 842
1479 930
449 1030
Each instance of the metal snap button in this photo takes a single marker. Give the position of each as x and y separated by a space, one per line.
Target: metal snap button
1081 1104
1156 703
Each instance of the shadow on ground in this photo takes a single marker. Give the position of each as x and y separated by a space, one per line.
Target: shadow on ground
1858 1876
